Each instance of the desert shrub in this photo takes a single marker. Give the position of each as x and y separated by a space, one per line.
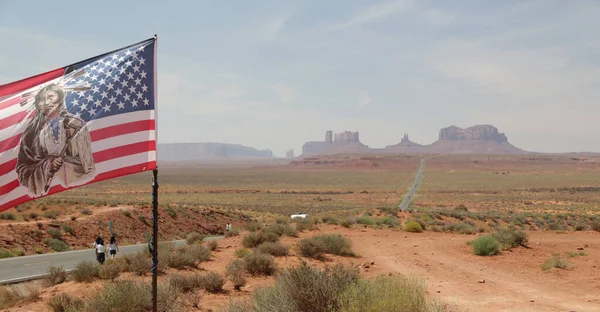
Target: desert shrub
460 228
138 263
176 258
56 245
330 220
33 215
51 214
56 275
86 272
185 283
125 296
232 232
67 228
241 252
273 249
19 252
212 245
413 226
316 246
486 245
38 250
171 212
595 226
254 226
11 295
73 218
461 207
86 211
366 220
254 239
259 264
303 224
511 238
282 220
386 293
390 221
556 261
281 229
65 303
112 268
580 227
236 273
194 238
311 289
143 220
348 222
8 216
126 213
5 253
54 233
212 282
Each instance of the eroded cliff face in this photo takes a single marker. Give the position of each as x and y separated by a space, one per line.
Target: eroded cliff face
474 133
346 141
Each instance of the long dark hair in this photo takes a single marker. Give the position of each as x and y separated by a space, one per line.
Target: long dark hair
113 240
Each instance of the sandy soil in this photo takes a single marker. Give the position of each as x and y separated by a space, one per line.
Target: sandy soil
512 281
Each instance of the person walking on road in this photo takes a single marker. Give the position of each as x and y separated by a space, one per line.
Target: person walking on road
113 247
100 252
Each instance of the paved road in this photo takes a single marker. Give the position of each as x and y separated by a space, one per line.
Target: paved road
18 269
409 196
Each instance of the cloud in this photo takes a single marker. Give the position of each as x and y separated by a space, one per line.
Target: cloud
363 99
374 13
285 93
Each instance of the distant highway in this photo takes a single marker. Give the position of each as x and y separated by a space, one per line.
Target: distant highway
411 192
20 269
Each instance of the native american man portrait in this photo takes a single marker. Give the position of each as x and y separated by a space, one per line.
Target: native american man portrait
56 145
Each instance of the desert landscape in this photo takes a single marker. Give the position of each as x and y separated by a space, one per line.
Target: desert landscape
539 211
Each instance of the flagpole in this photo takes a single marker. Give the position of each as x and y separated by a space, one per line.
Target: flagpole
155 197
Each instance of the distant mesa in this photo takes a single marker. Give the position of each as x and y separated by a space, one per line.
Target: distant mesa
405 143
208 151
343 142
475 133
289 154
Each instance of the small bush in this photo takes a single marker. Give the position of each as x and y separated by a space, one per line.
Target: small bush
112 268
86 211
511 238
349 222
126 213
125 296
282 220
260 264
56 245
51 214
11 295
366 220
8 216
54 233
138 263
143 220
556 261
232 232
281 229
212 245
316 246
236 273
254 226
461 207
486 245
273 249
390 221
172 212
241 252
176 258
580 227
413 227
212 282
254 239
38 250
330 220
56 275
185 283
67 228
198 253
73 218
5 253
86 272
194 238
33 215
65 303
595 226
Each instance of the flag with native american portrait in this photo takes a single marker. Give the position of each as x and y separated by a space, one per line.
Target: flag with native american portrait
80 124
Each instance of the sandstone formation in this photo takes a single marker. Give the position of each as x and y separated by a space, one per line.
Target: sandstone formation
343 142
480 132
208 151
289 154
405 143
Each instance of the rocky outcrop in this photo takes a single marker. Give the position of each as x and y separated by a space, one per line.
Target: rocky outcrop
289 154
208 151
474 133
343 142
406 143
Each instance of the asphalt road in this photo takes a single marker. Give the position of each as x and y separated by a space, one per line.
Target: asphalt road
18 269
411 192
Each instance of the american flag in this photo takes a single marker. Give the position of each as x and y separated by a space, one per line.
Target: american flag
113 94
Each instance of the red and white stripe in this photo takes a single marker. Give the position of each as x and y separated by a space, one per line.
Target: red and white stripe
121 144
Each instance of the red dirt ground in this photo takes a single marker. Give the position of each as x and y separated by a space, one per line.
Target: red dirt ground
512 281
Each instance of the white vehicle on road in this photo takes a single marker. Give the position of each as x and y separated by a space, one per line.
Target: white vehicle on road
299 215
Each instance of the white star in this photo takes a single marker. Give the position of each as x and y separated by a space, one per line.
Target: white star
146 102
144 88
132 89
130 76
112 100
83 107
75 102
87 74
121 59
104 94
93 68
143 74
134 104
92 112
78 115
115 56
106 61
138 81
121 105
136 68
127 97
128 53
135 55
115 64
95 89
122 70
128 63
142 60
139 95
118 91
110 86
141 49
94 77
107 108
97 103
102 81
90 98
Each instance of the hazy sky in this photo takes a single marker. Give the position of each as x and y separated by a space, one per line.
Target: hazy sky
275 74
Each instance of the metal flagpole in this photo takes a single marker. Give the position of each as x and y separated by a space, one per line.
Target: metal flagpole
155 240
